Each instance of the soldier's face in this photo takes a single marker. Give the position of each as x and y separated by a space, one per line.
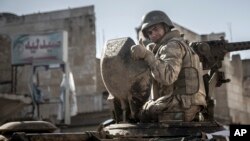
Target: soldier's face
155 32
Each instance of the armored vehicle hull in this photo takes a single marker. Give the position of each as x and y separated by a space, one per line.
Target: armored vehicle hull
110 131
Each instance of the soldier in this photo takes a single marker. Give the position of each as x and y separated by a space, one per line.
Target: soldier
176 70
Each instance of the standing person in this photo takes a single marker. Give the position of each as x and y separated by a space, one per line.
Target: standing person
176 70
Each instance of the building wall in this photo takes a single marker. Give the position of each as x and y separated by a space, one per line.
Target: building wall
100 85
246 87
240 113
80 25
233 99
188 34
5 67
246 77
221 111
212 36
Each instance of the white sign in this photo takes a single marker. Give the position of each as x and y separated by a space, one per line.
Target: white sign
46 48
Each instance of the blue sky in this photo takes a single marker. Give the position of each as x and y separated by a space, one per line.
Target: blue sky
118 18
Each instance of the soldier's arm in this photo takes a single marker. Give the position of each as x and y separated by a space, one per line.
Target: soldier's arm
166 69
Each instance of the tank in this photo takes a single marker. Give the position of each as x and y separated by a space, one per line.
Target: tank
129 83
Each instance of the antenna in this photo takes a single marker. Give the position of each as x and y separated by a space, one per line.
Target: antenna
230 31
103 37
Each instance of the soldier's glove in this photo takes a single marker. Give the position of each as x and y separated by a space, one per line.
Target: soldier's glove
140 52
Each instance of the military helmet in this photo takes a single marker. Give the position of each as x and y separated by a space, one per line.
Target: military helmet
155 17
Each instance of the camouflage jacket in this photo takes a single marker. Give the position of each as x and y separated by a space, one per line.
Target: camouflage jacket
176 70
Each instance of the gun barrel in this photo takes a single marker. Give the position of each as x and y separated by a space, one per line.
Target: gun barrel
211 53
236 46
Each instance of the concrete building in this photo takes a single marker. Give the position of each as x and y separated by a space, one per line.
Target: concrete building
80 25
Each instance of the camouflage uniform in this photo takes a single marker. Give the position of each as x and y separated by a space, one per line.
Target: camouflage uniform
177 74
175 68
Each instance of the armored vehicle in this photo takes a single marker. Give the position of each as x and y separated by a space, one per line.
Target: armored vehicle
129 83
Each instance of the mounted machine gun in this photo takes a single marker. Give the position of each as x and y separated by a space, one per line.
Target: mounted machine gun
211 54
